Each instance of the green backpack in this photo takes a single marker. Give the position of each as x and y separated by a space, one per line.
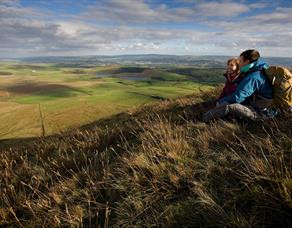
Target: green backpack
281 79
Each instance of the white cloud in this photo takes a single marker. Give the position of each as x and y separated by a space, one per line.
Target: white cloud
138 12
279 16
260 5
9 2
225 9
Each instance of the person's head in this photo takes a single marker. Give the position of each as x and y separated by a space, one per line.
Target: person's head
232 65
248 57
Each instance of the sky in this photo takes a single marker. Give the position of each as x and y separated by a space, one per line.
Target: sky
118 27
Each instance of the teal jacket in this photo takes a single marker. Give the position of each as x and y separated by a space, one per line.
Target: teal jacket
254 82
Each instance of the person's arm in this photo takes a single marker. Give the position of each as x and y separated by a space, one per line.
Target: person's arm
223 93
245 89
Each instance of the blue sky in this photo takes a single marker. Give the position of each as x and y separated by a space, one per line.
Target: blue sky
114 27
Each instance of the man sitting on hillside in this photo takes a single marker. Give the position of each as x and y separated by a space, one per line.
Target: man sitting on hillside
253 94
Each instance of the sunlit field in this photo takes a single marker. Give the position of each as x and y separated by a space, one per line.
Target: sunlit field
43 99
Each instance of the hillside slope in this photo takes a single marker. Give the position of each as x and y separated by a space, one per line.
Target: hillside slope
158 165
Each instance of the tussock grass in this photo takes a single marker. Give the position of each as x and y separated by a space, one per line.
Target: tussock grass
158 165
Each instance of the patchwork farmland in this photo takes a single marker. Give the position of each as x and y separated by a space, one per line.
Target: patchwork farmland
43 99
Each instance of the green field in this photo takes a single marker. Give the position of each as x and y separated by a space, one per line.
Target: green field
43 99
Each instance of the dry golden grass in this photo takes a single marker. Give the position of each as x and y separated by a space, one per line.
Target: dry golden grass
15 124
158 165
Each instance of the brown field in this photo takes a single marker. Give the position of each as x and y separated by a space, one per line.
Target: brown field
14 121
3 73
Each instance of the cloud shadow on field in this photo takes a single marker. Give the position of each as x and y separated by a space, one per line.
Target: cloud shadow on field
53 90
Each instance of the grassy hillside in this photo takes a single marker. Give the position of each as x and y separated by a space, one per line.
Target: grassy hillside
158 165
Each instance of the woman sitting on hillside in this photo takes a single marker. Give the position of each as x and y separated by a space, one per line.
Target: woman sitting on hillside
232 78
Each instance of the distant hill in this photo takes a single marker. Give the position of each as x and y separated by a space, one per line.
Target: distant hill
151 59
158 165
206 61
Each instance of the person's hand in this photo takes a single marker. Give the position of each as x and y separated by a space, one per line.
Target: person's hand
222 103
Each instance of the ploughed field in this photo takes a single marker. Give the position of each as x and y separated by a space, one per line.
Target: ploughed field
43 99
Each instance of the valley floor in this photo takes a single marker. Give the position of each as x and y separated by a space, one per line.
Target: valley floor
44 99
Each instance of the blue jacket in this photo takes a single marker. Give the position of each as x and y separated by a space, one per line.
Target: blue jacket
254 82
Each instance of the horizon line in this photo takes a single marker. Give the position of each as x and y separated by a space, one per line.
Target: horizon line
113 55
